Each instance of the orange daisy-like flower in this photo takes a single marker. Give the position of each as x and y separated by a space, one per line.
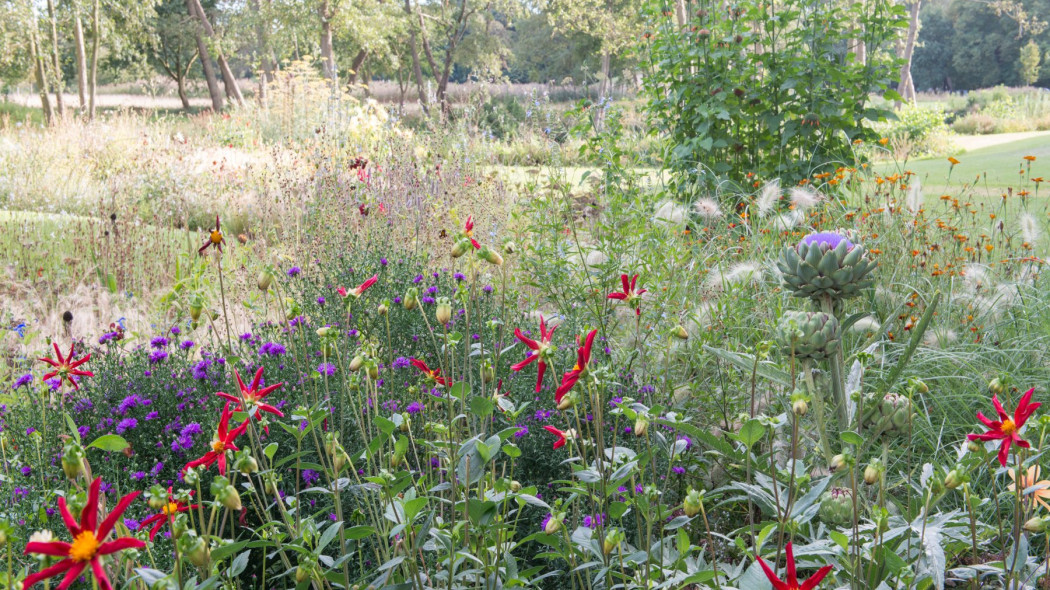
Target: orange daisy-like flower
1031 479
215 238
66 367
953 160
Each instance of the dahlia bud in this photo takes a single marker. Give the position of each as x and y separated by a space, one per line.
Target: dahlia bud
567 401
264 280
872 473
491 256
195 549
411 299
515 486
303 572
692 504
799 404
553 523
612 540
443 312
406 422
954 479
681 333
246 464
509 247
231 498
196 307
372 370
1036 524
73 460
995 386
158 497
641 425
488 373
461 247
383 309
974 447
356 363
325 332
837 462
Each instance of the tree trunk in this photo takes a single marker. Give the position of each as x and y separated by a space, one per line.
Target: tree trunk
603 84
40 74
359 59
417 71
327 53
904 88
96 34
262 39
78 38
56 61
233 91
209 69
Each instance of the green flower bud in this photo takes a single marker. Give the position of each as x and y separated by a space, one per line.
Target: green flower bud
641 425
554 523
837 462
443 312
954 479
681 333
411 299
836 506
491 256
1036 524
693 503
461 247
264 280
873 472
73 460
356 363
612 540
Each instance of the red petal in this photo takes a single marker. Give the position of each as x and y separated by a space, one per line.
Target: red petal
617 296
76 364
111 519
1004 452
539 375
120 545
89 515
816 578
989 423
773 579
265 391
626 284
528 360
257 379
986 436
67 518
51 572
72 575
526 340
58 354
100 574
56 548
48 361
999 409
791 577
222 463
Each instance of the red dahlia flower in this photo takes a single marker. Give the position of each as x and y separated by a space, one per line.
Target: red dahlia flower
583 357
166 514
89 542
629 294
431 374
540 349
358 290
561 434
215 238
253 395
66 367
792 582
468 231
222 442
1006 428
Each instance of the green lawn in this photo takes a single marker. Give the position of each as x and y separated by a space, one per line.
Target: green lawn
991 170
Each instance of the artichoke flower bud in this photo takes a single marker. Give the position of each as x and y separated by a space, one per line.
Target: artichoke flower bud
461 247
808 334
411 299
825 266
836 506
693 503
264 280
888 415
491 256
443 313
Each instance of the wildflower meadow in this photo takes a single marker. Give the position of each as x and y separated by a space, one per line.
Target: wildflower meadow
750 316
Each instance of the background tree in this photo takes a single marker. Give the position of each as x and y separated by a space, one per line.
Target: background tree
1029 62
616 24
172 47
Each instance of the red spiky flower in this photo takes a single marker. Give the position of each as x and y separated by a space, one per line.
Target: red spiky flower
89 542
583 357
561 434
222 442
358 290
215 238
66 366
630 295
166 514
468 232
1006 428
253 395
541 350
792 581
433 375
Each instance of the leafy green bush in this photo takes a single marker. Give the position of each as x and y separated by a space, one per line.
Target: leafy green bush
745 88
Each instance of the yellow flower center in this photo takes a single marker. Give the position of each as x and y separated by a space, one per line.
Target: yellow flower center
84 547
1008 427
218 446
171 508
216 236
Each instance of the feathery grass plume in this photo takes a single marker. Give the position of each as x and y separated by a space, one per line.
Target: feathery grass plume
804 198
700 319
1029 228
669 213
767 199
739 274
914 198
788 220
707 209
595 258
940 338
975 277
865 325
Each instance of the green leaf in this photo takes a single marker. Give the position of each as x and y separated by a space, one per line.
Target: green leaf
750 433
512 450
359 532
73 428
481 407
746 362
270 450
111 443
460 391
851 438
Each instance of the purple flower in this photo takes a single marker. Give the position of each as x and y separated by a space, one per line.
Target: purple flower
106 337
83 430
310 476
175 330
272 349
418 279
138 475
245 337
157 356
159 342
26 470
678 469
826 241
401 362
521 431
459 276
294 271
126 424
186 344
320 301
23 381
326 369
414 408
383 261
487 288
